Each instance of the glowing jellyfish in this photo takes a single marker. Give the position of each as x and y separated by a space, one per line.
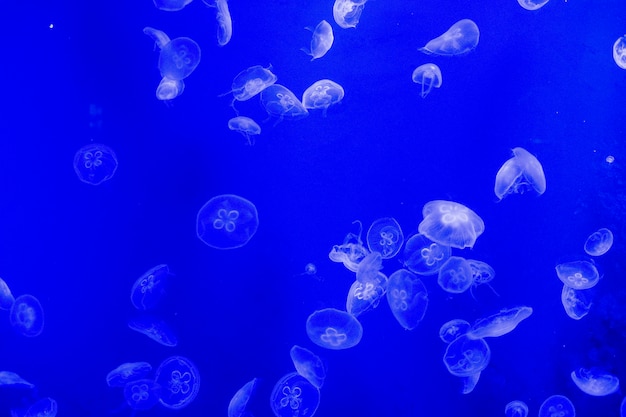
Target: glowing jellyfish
460 39
482 274
224 21
619 52
599 242
450 224
294 396
348 12
26 315
622 408
309 365
500 323
321 41
595 381
465 357
239 402
246 126
351 252
423 256
8 378
579 275
385 237
452 329
142 394
278 101
45 407
180 382
171 5
334 329
155 329
127 372
557 406
178 57
149 287
6 298
366 295
429 76
532 4
516 408
169 89
368 269
610 159
95 163
521 173
455 276
227 221
321 95
250 82
575 302
407 297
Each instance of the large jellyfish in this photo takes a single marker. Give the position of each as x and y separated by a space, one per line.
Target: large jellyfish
460 39
348 12
321 41
224 21
595 381
385 236
599 242
239 402
557 405
334 329
521 173
178 57
619 52
579 275
227 221
500 323
322 94
407 297
450 224
280 102
180 380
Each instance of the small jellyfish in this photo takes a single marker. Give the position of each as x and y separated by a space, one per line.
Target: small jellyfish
610 159
224 21
500 323
310 270
333 329
178 57
280 102
579 275
599 242
180 382
429 76
45 407
169 89
557 405
364 296
26 315
575 302
423 256
128 372
385 236
171 5
246 126
407 297
95 163
619 52
294 396
460 39
482 274
452 329
321 95
595 381
521 173
351 252
142 394
238 404
227 221
455 276
309 365
348 12
450 224
532 4
6 298
321 41
155 329
465 357
149 287
516 408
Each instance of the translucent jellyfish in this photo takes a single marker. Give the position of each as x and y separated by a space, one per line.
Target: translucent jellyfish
595 381
239 402
385 237
127 372
575 302
500 323
452 329
469 383
464 357
599 243
622 408
455 276
482 274
423 256
516 408
310 270
333 329
450 224
521 173
429 76
557 406
532 4
95 163
6 298
142 394
460 39
407 297
246 126
619 52
294 396
227 221
351 252
348 12
45 407
321 41
251 81
309 365
8 378
579 275
321 95
26 315
178 57
155 329
224 21
180 382
149 287
280 102
171 5
366 295
368 269
169 89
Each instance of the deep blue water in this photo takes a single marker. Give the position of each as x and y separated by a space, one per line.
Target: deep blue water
542 80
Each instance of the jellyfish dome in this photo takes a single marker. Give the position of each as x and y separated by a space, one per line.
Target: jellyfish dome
450 224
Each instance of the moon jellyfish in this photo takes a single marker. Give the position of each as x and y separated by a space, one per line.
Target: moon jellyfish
149 287
227 221
599 243
155 329
334 329
595 381
95 163
6 298
246 126
619 52
385 237
429 76
45 407
366 295
521 173
294 396
460 39
516 408
464 357
452 329
321 41
224 21
309 365
348 12
469 383
500 323
368 269
169 89
532 4
579 275
450 224
321 95
239 402
575 302
250 82
280 102
407 297
423 256
482 273
178 57
8 378
455 276
622 408
128 372
142 394
351 252
171 5
557 405
26 315
180 382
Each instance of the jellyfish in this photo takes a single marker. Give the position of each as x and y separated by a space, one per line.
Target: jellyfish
6 298
142 394
500 323
250 82
321 41
246 126
579 275
180 382
595 381
575 302
452 329
310 270
148 289
178 57
532 5
455 276
385 237
521 173
169 89
227 221
224 21
45 407
333 329
407 297
95 163
460 39
321 95
482 273
280 102
429 76
238 404
599 242
348 12
450 224
465 357
293 395
127 372
171 5
368 269
155 329
309 365
364 296
516 408
619 52
351 252
423 256
557 405
26 315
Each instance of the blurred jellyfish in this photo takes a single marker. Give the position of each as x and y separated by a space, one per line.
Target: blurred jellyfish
321 41
599 242
460 39
619 52
532 5
595 381
516 408
519 174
